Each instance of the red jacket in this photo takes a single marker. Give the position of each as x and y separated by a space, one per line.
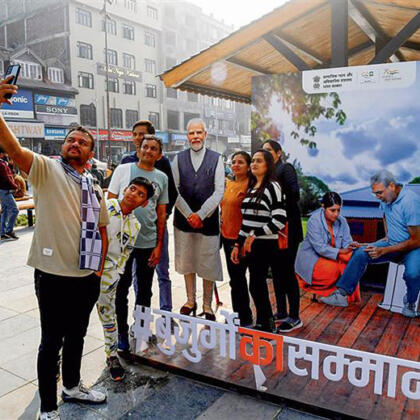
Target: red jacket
7 181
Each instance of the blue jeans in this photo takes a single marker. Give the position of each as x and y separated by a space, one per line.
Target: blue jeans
360 260
162 270
9 212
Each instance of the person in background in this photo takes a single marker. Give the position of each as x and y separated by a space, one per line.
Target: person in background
263 216
230 224
9 210
401 209
122 233
326 250
285 284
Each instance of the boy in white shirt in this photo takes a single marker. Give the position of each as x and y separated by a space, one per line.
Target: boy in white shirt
122 232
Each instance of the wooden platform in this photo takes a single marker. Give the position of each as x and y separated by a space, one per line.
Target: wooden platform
364 327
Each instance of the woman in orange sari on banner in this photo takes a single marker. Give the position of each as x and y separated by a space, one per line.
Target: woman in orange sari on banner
326 249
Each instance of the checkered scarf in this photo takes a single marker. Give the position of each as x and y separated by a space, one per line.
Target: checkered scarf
90 251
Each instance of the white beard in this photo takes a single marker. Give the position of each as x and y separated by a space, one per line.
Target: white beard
197 147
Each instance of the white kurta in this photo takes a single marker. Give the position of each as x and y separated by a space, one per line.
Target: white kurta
195 252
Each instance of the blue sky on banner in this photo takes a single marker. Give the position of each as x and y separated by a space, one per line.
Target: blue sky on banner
382 130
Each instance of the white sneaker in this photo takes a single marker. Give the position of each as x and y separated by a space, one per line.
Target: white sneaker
81 394
49 415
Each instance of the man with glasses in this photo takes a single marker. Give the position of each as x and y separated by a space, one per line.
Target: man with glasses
401 209
199 177
140 129
149 244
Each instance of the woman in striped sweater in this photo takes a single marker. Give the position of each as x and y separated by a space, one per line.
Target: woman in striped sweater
263 215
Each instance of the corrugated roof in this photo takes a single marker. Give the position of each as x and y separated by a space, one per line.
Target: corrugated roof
302 28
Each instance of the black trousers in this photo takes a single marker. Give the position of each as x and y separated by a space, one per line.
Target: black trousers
263 252
144 275
65 304
238 284
285 282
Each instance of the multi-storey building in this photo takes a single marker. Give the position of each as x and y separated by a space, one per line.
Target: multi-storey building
186 30
61 47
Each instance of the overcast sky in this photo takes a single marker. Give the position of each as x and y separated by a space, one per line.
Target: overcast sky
238 12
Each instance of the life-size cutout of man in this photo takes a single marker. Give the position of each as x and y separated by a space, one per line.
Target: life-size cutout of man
199 177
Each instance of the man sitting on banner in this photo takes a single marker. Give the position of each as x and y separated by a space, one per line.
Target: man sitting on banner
401 208
200 178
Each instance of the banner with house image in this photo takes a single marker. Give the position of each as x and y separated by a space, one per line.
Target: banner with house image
338 127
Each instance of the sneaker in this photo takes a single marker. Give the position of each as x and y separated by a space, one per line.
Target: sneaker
335 299
280 317
5 237
267 326
49 415
12 235
81 394
123 343
409 309
116 371
290 324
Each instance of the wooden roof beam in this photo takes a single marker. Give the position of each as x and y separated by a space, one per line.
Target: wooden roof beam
286 52
365 21
339 33
392 45
303 49
246 66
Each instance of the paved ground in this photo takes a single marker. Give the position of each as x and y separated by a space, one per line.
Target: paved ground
146 393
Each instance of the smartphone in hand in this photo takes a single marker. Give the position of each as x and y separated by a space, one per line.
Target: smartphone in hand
13 69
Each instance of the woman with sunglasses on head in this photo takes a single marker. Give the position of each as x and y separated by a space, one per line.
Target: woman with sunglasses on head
263 216
284 279
326 250
231 219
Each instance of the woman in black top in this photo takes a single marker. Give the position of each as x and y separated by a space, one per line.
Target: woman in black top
263 215
284 279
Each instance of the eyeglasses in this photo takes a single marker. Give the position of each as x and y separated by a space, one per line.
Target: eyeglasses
378 193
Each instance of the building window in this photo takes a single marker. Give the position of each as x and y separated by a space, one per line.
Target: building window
84 17
116 115
192 97
227 104
113 85
30 70
173 120
56 75
170 38
112 57
149 39
150 65
88 115
128 32
131 5
84 50
152 12
171 93
129 87
129 61
131 117
111 26
189 116
151 91
170 62
85 80
154 119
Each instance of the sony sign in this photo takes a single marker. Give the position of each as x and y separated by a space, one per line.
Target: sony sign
57 110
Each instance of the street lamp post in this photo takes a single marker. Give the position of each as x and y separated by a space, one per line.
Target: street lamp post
108 116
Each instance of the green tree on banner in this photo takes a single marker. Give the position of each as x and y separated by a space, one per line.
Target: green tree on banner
304 109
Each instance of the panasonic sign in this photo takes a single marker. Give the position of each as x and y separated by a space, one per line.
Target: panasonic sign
22 106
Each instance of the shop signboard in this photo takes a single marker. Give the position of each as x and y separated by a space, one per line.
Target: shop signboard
55 133
55 109
27 129
116 135
22 106
41 99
